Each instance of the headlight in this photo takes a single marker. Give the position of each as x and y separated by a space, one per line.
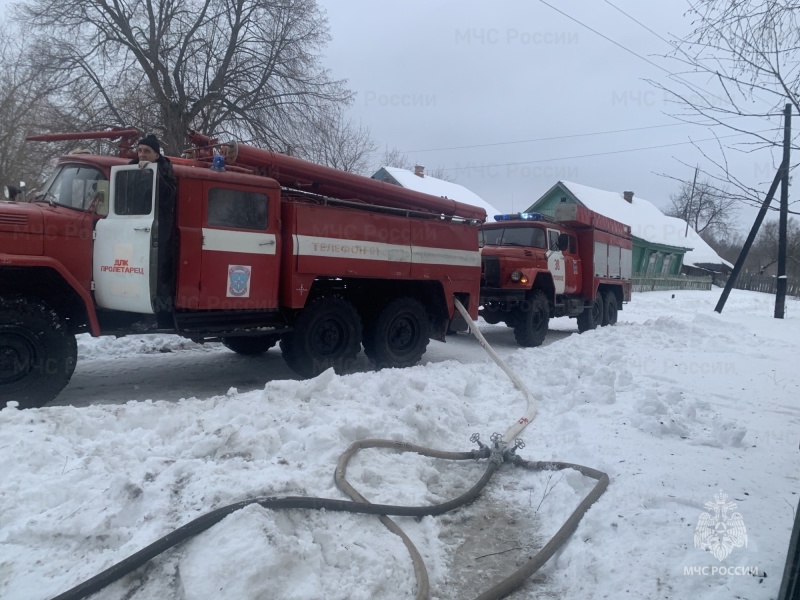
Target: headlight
519 277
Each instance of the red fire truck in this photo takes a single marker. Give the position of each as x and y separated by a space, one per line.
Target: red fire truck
534 267
269 248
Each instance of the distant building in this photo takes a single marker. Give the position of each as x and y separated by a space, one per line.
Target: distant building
419 182
662 245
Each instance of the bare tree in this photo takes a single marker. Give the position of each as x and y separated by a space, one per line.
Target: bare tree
25 93
246 68
739 67
392 157
765 248
334 141
706 208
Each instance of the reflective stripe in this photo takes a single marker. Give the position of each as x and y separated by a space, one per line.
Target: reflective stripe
244 242
424 255
306 245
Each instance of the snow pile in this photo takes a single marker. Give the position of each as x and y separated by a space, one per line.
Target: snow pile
676 403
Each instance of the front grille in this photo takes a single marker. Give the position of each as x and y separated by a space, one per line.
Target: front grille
491 271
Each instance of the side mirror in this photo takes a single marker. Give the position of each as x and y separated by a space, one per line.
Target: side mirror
563 242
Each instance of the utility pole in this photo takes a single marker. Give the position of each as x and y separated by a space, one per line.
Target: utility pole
691 200
780 292
750 239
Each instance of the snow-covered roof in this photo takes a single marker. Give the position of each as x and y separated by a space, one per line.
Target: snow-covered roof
441 188
647 222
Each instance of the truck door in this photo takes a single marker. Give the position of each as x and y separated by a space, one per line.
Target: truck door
124 257
572 264
555 261
241 248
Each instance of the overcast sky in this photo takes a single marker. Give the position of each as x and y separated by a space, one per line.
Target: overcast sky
453 84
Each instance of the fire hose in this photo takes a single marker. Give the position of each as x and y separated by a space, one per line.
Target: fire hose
497 453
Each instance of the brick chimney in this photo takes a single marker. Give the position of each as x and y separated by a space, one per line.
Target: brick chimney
628 197
419 170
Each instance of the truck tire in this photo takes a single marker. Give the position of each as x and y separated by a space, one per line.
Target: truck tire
250 345
531 327
37 352
492 317
592 316
399 336
326 334
610 308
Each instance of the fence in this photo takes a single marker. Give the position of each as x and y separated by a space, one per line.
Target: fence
655 283
766 283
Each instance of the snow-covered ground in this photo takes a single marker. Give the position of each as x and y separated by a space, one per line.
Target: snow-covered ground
679 405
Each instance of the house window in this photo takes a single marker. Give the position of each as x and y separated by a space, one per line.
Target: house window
667 262
238 209
651 263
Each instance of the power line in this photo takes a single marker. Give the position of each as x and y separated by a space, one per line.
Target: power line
529 162
605 37
562 137
647 60
555 137
658 35
672 45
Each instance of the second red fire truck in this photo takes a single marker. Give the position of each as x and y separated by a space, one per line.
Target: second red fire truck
575 264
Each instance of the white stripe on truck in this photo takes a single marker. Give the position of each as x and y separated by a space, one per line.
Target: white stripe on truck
244 242
307 245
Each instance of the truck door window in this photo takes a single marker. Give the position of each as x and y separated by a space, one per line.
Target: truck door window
238 209
76 186
133 192
552 238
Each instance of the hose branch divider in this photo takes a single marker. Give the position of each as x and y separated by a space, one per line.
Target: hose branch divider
497 453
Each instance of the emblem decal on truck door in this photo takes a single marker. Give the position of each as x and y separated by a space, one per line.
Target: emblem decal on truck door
238 281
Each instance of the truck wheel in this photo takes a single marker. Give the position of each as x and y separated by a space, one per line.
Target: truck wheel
592 316
610 308
492 317
531 328
326 334
399 336
37 353
250 345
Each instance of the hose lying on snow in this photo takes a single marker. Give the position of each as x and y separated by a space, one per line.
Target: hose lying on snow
496 455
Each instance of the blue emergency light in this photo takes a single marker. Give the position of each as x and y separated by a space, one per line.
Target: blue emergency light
218 163
519 217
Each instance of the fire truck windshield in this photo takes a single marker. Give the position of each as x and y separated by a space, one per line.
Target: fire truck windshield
74 186
513 236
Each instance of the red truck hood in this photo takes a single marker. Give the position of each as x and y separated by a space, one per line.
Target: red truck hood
21 228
